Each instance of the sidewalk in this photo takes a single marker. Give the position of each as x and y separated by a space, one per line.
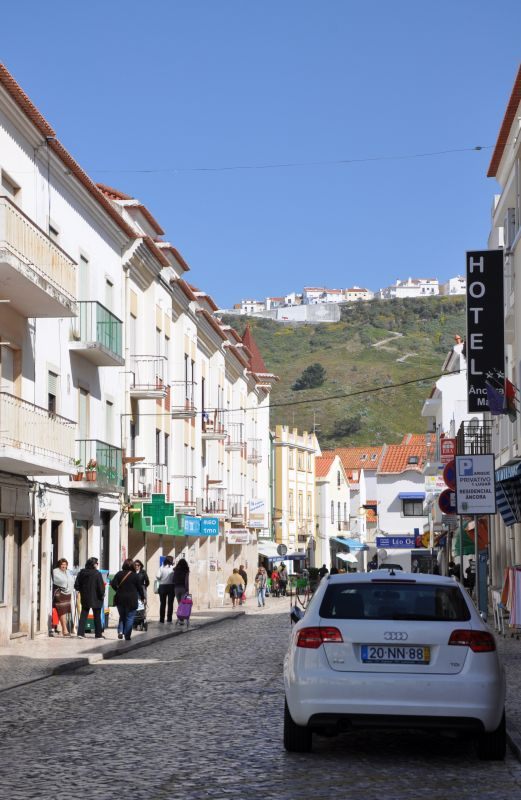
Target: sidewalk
509 648
26 661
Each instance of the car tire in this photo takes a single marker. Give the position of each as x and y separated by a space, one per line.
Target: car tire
492 745
297 738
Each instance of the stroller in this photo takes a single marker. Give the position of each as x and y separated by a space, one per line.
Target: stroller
184 609
140 620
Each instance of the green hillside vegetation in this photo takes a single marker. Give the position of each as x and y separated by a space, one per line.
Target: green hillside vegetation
420 331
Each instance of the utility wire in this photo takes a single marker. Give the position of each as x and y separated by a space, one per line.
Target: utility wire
298 164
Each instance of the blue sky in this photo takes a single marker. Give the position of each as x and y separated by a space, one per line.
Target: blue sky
176 86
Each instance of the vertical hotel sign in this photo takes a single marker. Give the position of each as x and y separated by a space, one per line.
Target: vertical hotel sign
485 347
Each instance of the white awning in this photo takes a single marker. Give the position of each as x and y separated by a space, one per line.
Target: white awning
268 549
347 557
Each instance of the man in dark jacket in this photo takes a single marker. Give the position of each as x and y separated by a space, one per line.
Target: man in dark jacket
89 584
244 576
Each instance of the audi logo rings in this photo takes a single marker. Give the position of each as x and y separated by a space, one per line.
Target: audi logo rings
396 636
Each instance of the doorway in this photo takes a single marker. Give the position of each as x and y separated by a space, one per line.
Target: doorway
17 575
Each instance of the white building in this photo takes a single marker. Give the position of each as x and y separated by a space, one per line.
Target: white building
333 505
412 287
252 306
454 286
401 488
316 295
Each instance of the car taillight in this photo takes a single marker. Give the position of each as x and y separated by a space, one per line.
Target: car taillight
312 638
478 641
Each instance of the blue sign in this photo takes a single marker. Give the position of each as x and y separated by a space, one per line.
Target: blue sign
395 541
209 526
200 526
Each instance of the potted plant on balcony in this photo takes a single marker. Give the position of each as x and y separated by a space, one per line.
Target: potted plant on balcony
78 476
91 470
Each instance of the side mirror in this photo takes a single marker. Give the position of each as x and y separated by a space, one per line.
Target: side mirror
296 614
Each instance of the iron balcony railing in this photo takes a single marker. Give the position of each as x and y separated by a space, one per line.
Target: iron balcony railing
182 399
147 376
101 463
254 451
183 490
474 438
235 437
214 500
148 479
236 506
213 424
96 325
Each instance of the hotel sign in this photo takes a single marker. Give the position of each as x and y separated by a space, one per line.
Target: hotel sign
485 350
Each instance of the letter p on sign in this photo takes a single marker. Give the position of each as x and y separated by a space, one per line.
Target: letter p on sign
466 467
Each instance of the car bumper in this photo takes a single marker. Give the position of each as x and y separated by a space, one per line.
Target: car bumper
458 701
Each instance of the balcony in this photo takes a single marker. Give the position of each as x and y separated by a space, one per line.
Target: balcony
213 425
183 491
182 400
214 500
235 437
147 479
33 441
96 334
100 467
148 377
254 451
474 438
236 508
36 275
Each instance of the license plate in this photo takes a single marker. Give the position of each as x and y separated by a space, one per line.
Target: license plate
395 654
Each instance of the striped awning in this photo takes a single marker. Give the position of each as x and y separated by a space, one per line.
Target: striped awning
508 499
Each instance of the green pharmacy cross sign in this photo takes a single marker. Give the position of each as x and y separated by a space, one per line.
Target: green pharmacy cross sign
156 516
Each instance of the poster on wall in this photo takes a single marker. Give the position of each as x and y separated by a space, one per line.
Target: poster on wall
257 508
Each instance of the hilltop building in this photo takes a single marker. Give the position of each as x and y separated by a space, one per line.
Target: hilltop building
454 286
412 287
356 293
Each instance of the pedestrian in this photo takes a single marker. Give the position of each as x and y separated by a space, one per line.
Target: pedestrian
141 573
454 570
322 571
91 588
235 586
334 571
275 582
180 579
128 587
62 586
244 576
283 579
261 580
165 576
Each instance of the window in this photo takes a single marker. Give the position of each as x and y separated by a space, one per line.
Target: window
2 560
363 457
9 186
291 506
338 479
109 287
52 391
158 446
309 462
309 507
300 506
373 457
345 512
300 460
403 601
167 444
291 458
412 508
413 460
159 343
338 514
109 420
332 511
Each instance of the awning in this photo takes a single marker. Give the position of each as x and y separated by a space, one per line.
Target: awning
348 557
508 492
411 495
268 549
504 505
353 544
508 472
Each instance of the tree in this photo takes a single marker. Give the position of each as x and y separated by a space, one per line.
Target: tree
312 376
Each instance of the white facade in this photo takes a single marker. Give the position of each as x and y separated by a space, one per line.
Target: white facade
356 293
317 295
252 306
454 286
333 505
412 287
393 513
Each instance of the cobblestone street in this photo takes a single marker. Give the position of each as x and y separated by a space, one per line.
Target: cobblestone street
199 716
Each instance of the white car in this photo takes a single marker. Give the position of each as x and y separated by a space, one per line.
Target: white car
393 649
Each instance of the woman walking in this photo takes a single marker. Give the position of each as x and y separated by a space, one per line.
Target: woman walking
63 584
181 579
141 573
128 588
165 576
261 579
235 586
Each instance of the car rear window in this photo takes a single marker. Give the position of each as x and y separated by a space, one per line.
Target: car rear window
394 600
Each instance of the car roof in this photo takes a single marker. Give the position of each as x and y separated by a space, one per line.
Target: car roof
387 574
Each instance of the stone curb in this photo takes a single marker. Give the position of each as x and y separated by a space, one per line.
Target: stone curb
120 648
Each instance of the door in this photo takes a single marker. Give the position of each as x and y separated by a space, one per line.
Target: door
105 539
17 575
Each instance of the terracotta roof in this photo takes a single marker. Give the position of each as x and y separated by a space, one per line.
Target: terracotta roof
356 289
206 297
414 438
32 113
397 458
359 457
114 194
323 464
239 355
504 131
257 364
155 250
185 288
176 253
213 322
151 220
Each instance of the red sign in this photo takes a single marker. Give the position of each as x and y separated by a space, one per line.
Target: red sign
447 450
449 475
447 502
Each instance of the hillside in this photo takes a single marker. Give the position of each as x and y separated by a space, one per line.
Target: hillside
378 343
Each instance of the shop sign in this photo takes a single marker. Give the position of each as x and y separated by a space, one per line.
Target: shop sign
200 526
485 324
447 450
395 542
257 517
238 537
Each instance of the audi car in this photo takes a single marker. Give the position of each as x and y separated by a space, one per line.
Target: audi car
393 649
